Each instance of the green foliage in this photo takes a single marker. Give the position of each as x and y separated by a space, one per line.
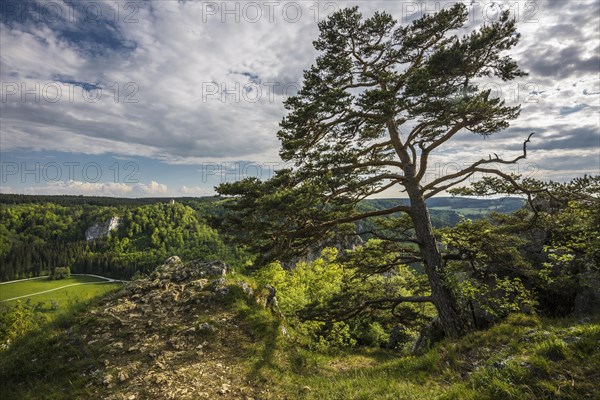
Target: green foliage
60 273
306 283
486 246
316 297
313 283
17 320
486 269
497 299
547 255
374 335
35 239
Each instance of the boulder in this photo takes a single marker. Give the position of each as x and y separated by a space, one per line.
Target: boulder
211 269
219 287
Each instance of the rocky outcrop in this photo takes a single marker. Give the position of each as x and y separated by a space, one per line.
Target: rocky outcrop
546 204
340 242
102 229
172 335
173 270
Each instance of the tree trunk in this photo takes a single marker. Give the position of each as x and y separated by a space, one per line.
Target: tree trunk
443 299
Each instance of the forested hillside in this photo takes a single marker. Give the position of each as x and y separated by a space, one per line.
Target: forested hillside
70 200
39 233
37 237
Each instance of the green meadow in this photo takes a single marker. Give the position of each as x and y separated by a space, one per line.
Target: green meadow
44 292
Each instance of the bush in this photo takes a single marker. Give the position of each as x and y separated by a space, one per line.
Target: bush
18 320
315 296
60 273
308 283
374 335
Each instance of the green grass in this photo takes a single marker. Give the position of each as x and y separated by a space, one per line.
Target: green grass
93 287
14 289
35 365
523 358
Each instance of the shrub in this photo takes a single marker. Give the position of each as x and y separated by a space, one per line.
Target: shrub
60 273
314 296
374 335
18 320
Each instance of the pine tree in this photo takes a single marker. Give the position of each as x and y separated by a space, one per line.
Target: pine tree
379 101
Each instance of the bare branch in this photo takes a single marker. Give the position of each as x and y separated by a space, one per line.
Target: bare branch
351 218
448 186
427 150
465 173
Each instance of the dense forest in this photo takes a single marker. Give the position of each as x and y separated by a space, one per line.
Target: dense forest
40 233
69 200
37 236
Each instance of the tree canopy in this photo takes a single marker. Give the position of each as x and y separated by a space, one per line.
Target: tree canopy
378 102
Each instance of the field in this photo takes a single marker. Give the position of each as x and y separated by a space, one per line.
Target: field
481 211
44 292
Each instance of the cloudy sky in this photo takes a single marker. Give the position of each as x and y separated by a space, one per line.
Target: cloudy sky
169 98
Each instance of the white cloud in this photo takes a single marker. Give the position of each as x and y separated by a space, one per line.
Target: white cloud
195 191
152 189
177 54
111 189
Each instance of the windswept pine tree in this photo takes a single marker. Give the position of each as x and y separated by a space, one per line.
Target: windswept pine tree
378 103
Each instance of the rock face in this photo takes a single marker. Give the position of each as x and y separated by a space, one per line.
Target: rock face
102 229
340 242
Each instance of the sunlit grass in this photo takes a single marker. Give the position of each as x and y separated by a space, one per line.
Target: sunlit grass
21 288
525 357
62 296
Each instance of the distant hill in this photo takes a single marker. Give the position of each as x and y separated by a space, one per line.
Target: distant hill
39 233
502 205
66 200
448 211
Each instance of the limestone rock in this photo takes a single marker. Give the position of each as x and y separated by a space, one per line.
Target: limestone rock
225 388
206 327
102 229
173 270
211 269
219 287
169 336
107 379
122 375
246 289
